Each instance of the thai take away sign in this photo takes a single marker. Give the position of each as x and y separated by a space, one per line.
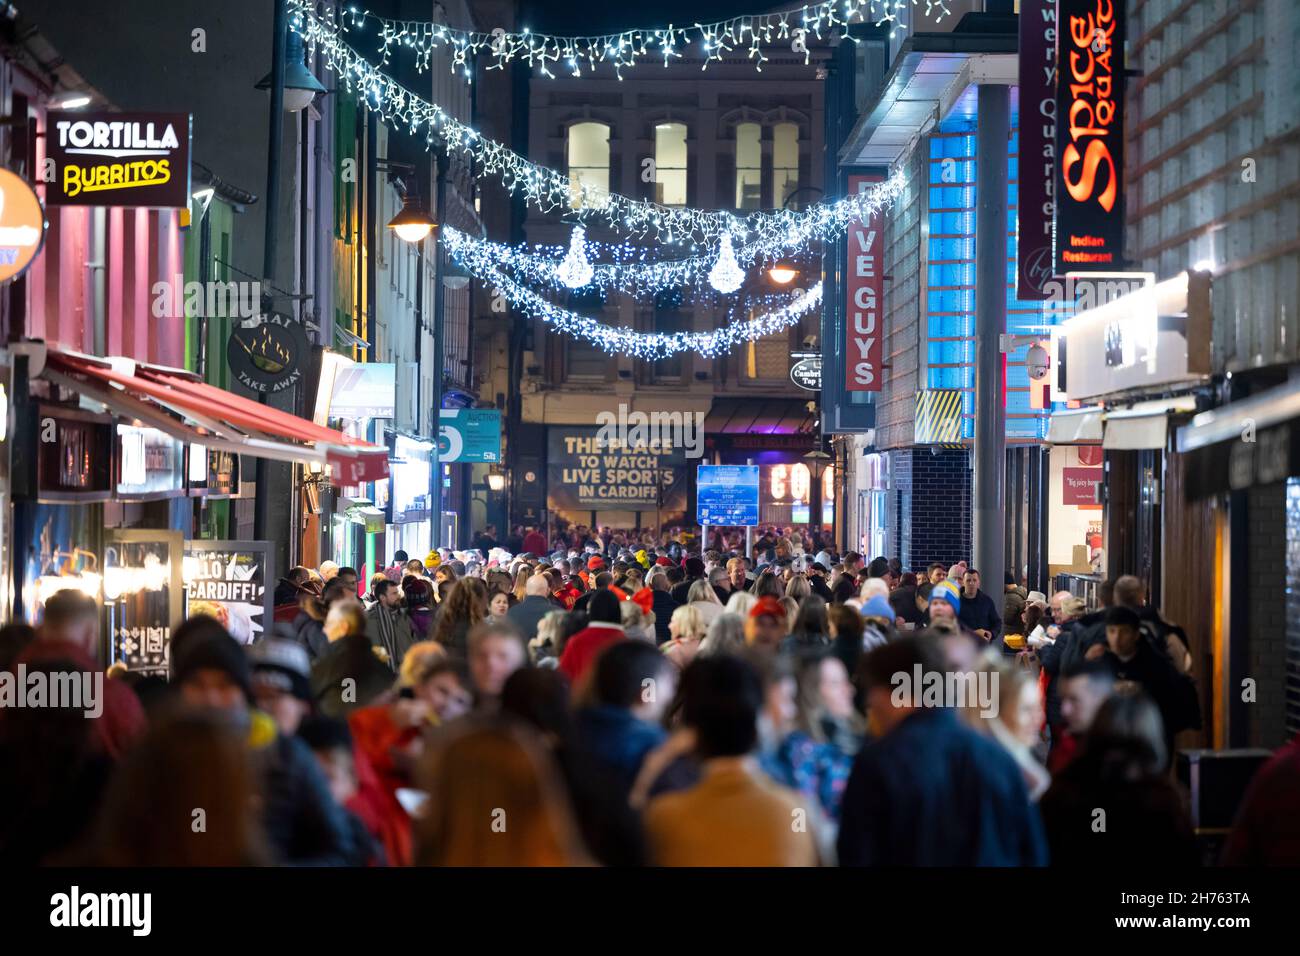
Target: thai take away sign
118 159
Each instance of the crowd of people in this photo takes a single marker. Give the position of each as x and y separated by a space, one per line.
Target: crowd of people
597 698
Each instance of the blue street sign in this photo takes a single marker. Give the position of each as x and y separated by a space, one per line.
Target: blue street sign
727 495
469 435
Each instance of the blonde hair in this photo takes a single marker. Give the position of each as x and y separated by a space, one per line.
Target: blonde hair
421 657
690 625
702 590
740 602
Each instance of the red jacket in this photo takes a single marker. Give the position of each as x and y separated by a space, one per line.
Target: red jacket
374 737
535 543
582 648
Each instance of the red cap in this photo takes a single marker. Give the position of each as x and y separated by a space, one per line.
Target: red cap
594 562
666 562
768 607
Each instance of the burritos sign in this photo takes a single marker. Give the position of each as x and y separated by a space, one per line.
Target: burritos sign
119 159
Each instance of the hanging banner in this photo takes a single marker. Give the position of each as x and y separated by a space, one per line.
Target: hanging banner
119 159
1088 234
469 435
864 346
1037 169
227 580
587 473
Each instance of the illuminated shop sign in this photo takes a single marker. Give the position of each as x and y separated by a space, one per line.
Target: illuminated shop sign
864 290
119 159
1089 226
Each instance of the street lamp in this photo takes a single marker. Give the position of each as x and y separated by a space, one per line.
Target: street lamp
783 272
496 481
454 275
413 222
300 84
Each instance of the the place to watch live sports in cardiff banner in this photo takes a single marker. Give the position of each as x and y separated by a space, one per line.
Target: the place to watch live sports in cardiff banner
228 580
119 159
1088 235
864 344
587 472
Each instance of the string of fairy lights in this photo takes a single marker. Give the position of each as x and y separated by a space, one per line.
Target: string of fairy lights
571 55
651 346
550 191
622 266
730 239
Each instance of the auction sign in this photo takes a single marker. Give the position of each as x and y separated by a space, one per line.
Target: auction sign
587 472
864 288
1034 207
1089 229
231 581
119 159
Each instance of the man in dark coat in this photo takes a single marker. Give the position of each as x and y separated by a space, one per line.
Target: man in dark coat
931 791
978 613
537 603
694 571
348 674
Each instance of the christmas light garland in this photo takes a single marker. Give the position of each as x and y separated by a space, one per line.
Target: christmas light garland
549 191
627 49
651 346
629 269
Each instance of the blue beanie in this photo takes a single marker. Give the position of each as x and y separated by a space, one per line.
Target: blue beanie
947 591
878 606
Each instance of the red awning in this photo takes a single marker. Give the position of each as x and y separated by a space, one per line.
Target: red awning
257 429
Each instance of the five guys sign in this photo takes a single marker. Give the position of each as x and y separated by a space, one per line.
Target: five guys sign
864 339
1089 229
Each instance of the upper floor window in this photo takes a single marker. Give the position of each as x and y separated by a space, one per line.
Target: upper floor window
785 162
588 149
749 166
670 164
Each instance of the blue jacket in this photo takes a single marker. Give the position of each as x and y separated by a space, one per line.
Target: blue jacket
934 792
617 740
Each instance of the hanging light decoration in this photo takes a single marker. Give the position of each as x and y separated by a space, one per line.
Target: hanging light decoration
575 271
726 276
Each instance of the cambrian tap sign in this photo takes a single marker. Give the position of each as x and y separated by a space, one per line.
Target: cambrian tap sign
119 159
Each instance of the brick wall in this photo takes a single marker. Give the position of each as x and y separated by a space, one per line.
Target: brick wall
1274 553
933 501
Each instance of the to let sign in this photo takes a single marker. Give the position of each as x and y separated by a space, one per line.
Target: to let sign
1089 229
864 345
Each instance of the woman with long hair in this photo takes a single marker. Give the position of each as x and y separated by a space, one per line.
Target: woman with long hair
687 629
726 635
464 607
798 587
188 761
495 799
1121 767
810 628
704 599
522 574
418 592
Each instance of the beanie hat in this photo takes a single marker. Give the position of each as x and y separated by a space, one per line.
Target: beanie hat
432 560
214 650
694 568
642 558
595 563
768 606
878 606
281 664
664 562
947 591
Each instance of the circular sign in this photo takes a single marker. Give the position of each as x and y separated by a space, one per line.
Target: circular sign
268 356
807 373
22 225
450 443
530 476
1090 454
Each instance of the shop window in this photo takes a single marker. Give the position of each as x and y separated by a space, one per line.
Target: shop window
749 166
785 162
588 153
670 164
